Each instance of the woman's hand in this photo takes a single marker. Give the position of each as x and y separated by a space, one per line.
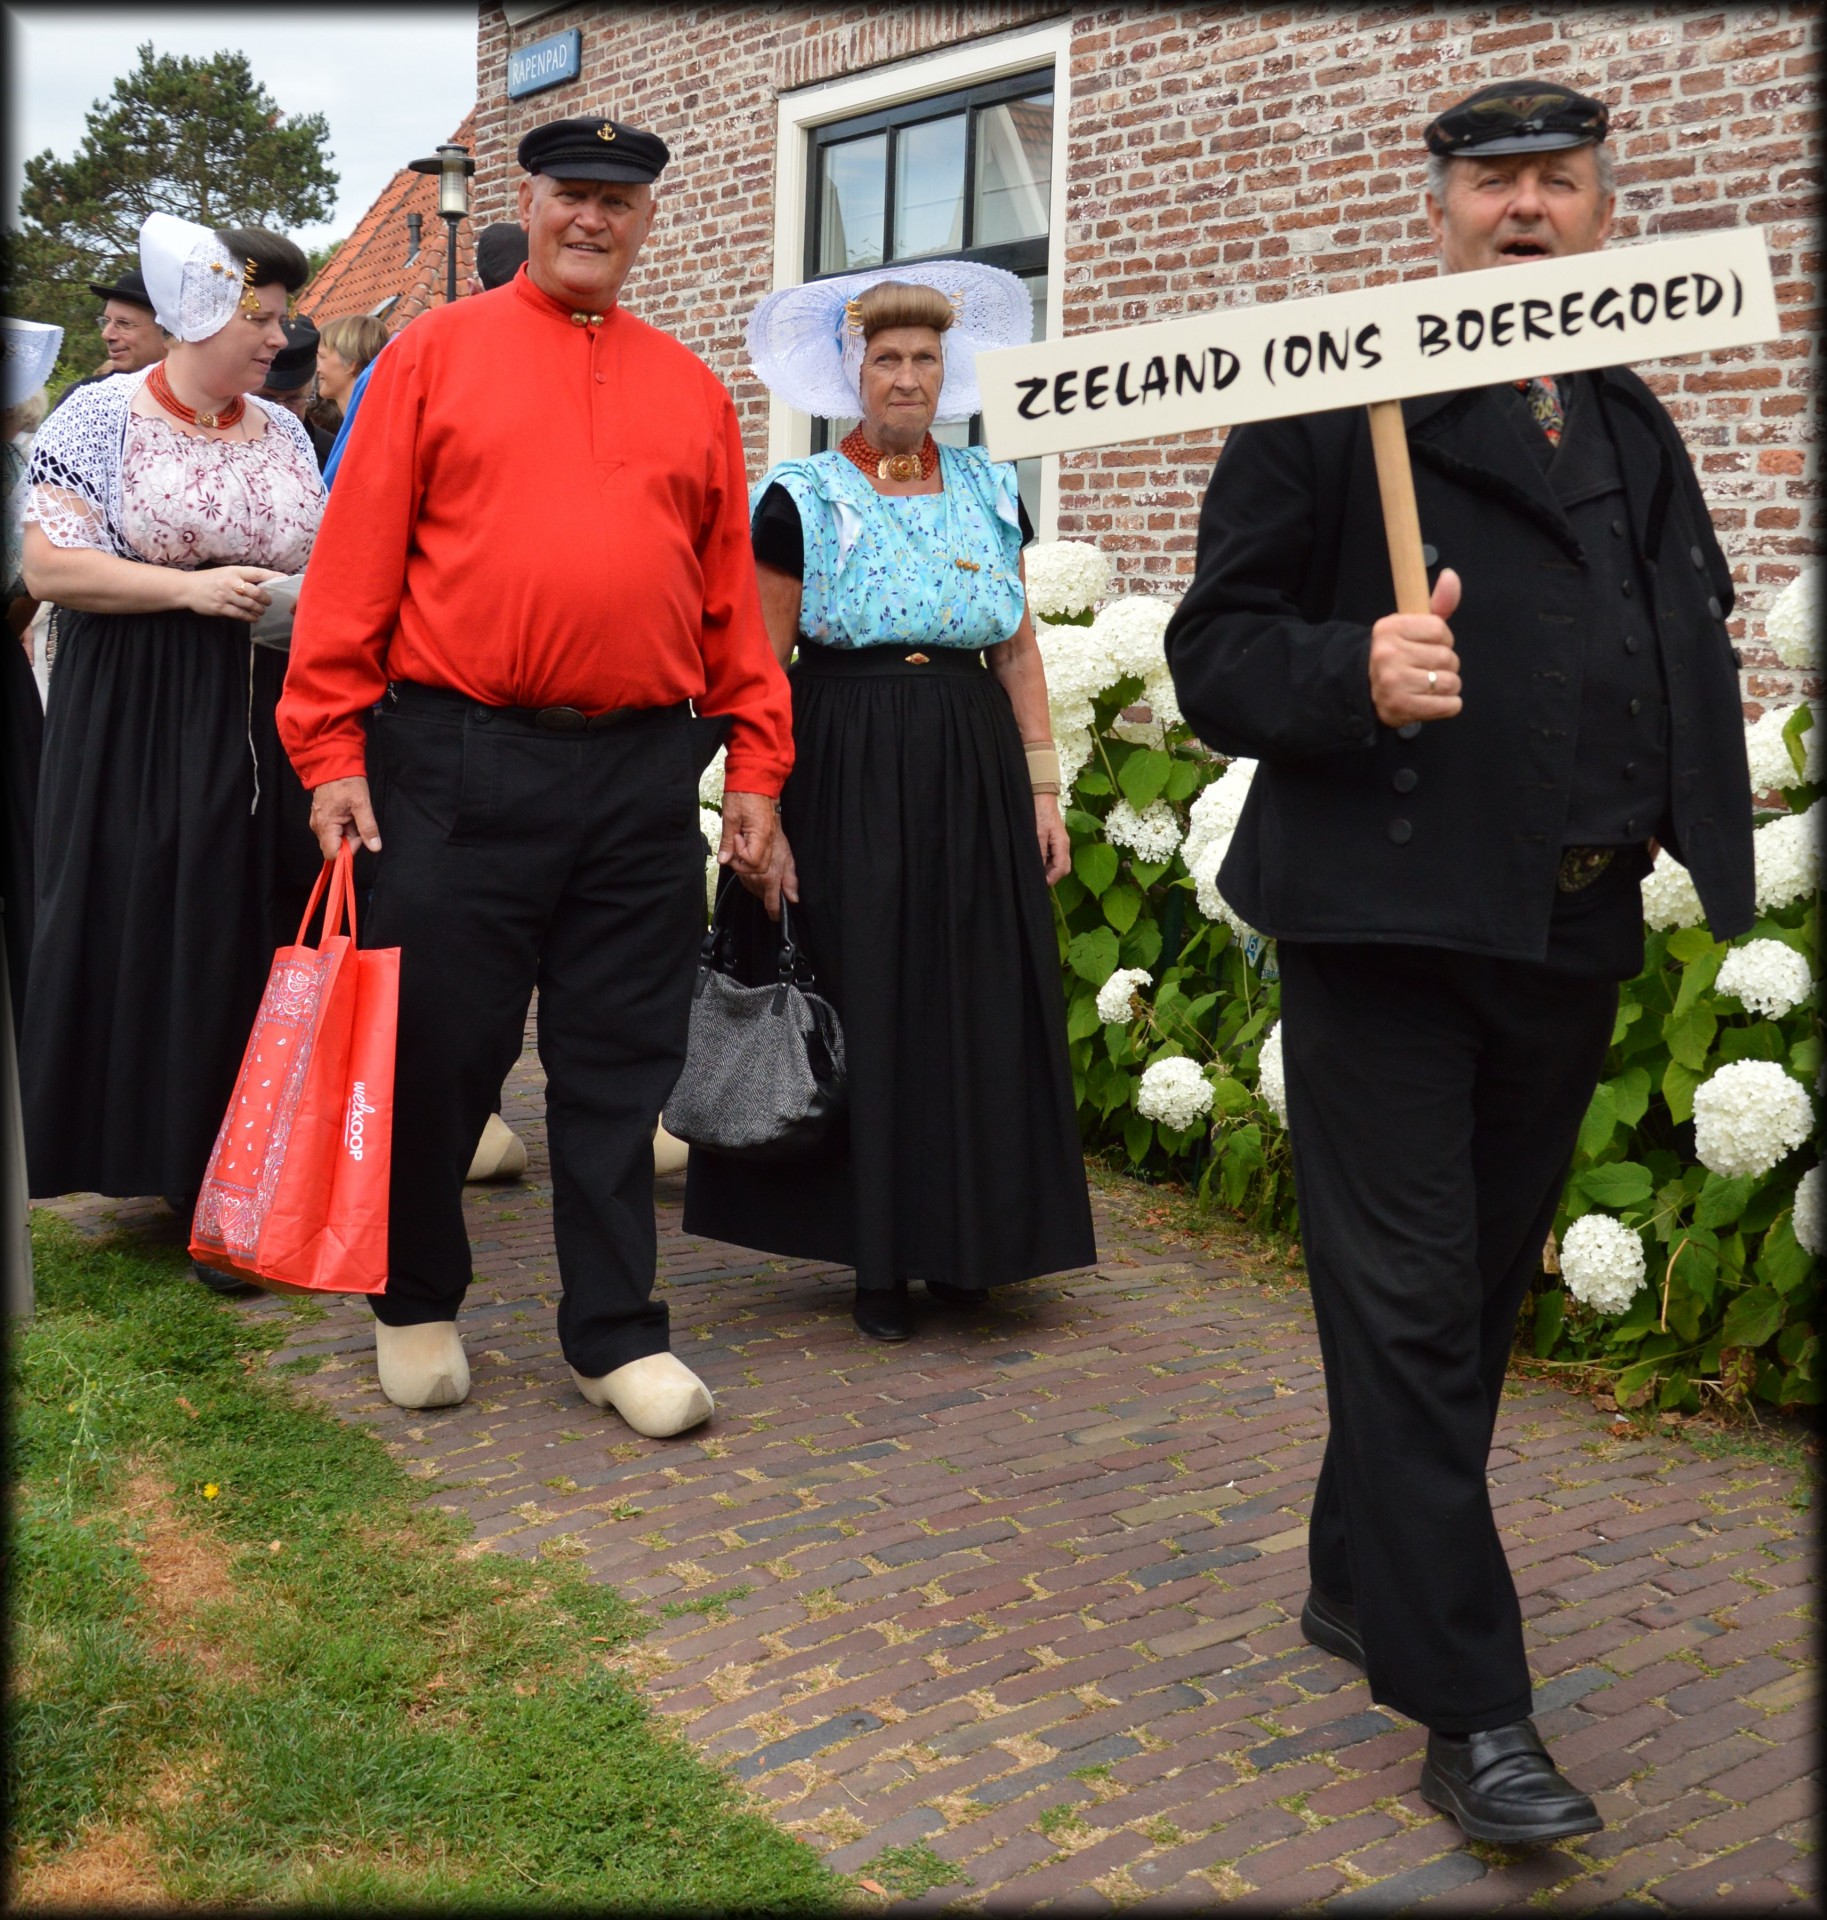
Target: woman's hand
1055 842
229 593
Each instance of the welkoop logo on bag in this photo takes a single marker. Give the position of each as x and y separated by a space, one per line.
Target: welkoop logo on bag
359 1110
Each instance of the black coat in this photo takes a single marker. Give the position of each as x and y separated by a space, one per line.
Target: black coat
1270 656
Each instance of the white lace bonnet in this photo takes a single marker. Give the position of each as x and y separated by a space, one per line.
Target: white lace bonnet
195 282
806 346
30 351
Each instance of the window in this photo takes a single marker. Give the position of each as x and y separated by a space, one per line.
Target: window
966 175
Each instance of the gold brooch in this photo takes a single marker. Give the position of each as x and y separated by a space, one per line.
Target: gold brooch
970 566
586 319
605 131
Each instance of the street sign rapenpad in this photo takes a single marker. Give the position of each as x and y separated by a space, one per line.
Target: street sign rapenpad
1259 362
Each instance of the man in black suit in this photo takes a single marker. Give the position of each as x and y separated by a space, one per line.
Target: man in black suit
1446 834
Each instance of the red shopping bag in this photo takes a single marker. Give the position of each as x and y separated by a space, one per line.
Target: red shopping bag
296 1192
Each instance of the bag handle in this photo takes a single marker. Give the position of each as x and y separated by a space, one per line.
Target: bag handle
339 874
794 963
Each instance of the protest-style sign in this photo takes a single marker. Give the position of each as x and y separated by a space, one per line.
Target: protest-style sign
1376 347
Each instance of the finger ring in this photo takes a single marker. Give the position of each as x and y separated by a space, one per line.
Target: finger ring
1432 676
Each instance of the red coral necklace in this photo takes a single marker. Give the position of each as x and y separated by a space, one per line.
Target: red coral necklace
159 386
889 466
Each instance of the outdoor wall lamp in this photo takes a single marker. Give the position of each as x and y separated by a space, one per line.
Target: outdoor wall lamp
453 166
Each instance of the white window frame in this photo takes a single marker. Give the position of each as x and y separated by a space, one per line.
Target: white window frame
1023 51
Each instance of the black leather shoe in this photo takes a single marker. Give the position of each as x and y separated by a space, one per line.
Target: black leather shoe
222 1283
1332 1624
949 1296
882 1312
1501 1786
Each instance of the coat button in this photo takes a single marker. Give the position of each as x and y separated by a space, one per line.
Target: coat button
1630 769
1430 555
1617 529
1630 826
1715 609
1400 832
1698 558
1625 588
1405 780
481 715
1630 643
1636 707
1409 731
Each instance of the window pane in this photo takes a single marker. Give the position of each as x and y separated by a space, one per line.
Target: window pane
929 188
1014 171
853 190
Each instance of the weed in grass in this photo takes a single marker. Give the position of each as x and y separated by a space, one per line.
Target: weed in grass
375 1717
707 1603
911 1871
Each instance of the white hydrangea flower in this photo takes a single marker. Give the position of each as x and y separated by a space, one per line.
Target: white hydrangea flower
1806 1218
1215 813
1076 669
1669 899
1116 998
1064 576
1769 976
1074 747
710 824
711 874
710 781
1791 623
1211 902
1768 751
1747 1117
1272 1075
1173 1091
1161 699
1788 860
1152 834
1129 633
1602 1262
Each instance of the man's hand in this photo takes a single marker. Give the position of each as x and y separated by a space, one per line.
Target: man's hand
341 810
1055 841
756 851
1414 672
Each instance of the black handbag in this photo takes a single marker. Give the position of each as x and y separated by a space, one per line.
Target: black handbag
763 1079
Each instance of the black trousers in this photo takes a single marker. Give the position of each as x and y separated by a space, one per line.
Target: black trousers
1433 1103
513 858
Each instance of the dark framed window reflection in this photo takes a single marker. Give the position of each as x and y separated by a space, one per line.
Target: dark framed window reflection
961 176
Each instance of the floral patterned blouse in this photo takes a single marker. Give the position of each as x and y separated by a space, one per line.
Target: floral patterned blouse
936 570
190 502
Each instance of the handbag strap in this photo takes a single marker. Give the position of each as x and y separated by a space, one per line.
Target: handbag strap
338 874
793 966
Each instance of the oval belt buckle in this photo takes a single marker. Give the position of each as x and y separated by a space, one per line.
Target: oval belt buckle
917 660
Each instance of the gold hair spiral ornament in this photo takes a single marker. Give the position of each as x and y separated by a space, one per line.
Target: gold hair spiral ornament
250 300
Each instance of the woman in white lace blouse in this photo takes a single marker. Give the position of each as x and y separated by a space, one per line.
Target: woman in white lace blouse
172 849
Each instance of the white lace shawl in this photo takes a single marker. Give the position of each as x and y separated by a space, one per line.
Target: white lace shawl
74 481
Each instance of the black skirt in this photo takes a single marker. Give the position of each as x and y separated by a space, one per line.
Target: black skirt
926 914
162 890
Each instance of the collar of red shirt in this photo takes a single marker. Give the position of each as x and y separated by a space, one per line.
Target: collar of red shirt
542 302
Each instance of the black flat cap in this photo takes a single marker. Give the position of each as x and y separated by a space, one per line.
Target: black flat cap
129 285
1518 116
296 361
593 149
501 251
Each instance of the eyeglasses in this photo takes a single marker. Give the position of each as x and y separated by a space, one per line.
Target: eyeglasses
107 323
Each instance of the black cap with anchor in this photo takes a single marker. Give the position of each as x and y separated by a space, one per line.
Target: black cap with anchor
593 148
1517 116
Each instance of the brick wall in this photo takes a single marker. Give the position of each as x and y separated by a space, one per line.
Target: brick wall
1230 153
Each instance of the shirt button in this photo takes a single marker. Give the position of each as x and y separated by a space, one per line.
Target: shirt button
1624 587
1715 609
1409 731
599 379
1630 643
1617 529
1636 707
1698 558
1429 555
1405 780
1400 832
1630 769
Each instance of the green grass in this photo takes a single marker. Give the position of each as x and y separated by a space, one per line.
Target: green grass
363 1717
911 1871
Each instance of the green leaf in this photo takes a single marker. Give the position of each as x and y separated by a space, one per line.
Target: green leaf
1805 1058
1186 779
1678 1084
1068 892
1147 872
1143 776
1121 904
1689 943
1138 1136
1230 1096
1095 864
1753 1317
1634 1383
1690 1035
1094 781
1142 944
1629 1013
1722 1200
1763 1041
1794 727
1697 976
1093 956
1784 1264
1550 1316
1630 1095
1600 1122
1082 1015
1619 1183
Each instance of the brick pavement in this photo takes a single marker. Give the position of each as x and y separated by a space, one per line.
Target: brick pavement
1025 1590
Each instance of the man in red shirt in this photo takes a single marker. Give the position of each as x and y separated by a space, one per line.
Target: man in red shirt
534 565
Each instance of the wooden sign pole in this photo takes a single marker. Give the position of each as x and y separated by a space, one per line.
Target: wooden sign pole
1401 518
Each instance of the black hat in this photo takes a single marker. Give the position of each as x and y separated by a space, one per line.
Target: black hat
296 361
593 149
129 285
1518 116
501 251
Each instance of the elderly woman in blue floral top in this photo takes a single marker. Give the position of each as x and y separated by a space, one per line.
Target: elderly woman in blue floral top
922 814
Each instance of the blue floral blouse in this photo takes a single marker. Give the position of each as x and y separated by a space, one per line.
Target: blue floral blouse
935 570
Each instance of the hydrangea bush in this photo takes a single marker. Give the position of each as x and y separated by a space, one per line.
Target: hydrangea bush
1682 1256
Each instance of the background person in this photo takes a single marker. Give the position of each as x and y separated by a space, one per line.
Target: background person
1451 868
521 602
291 380
923 811
345 348
170 852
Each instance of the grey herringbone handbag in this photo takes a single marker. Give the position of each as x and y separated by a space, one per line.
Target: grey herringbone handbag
764 1066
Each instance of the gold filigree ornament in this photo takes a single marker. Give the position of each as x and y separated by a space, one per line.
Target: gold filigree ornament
250 300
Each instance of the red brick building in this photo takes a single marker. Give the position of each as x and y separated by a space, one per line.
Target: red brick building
392 265
1135 163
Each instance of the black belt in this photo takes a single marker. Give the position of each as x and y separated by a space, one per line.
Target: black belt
410 695
897 657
